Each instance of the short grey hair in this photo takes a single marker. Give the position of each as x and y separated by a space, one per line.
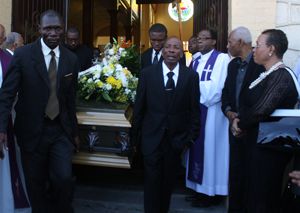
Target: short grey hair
243 33
11 38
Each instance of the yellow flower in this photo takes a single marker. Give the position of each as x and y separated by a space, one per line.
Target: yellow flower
100 84
118 84
114 82
111 80
126 71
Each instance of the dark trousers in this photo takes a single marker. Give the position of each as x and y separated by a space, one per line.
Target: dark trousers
266 180
160 170
239 163
48 171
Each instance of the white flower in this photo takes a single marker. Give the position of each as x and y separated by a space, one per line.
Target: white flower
111 52
121 49
123 54
107 87
123 78
119 67
105 62
90 80
127 91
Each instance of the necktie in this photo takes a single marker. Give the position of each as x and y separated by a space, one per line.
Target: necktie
52 108
155 59
170 86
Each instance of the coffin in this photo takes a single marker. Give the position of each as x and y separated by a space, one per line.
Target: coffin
104 135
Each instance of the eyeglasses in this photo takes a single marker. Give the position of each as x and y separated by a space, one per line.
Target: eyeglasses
203 38
258 45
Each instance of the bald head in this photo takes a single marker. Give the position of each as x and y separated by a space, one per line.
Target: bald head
2 34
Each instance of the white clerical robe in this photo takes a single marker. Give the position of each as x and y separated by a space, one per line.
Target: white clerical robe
216 142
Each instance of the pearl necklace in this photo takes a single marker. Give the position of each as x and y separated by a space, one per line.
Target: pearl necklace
264 74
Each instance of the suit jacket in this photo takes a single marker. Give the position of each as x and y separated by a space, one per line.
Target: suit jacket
229 90
146 58
27 75
84 55
152 117
5 59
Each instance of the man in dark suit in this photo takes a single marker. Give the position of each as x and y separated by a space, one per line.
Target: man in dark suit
83 53
242 70
158 34
166 119
44 74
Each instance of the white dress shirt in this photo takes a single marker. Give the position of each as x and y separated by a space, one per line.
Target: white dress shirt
47 56
11 52
153 55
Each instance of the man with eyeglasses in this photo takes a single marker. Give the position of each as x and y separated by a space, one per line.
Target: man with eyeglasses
207 167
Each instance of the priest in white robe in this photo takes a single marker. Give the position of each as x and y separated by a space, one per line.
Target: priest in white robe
208 158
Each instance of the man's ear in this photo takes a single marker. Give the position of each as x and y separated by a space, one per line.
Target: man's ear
214 42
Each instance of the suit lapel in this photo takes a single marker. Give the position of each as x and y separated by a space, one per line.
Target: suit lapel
158 78
39 62
61 67
250 71
180 81
150 56
161 83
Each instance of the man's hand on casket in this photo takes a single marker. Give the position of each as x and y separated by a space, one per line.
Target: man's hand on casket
3 144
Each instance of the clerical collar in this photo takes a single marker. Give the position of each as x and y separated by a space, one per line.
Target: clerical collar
196 55
207 55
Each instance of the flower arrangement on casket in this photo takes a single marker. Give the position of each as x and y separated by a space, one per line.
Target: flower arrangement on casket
111 80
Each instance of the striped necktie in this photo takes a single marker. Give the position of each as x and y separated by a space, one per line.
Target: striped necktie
155 59
52 108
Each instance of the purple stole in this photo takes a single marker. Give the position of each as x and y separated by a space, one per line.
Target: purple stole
20 199
196 155
194 63
5 60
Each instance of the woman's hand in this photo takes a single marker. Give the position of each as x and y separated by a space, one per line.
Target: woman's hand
231 116
235 130
295 175
3 144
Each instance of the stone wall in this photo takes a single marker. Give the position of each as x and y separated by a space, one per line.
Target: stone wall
5 14
288 20
257 15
